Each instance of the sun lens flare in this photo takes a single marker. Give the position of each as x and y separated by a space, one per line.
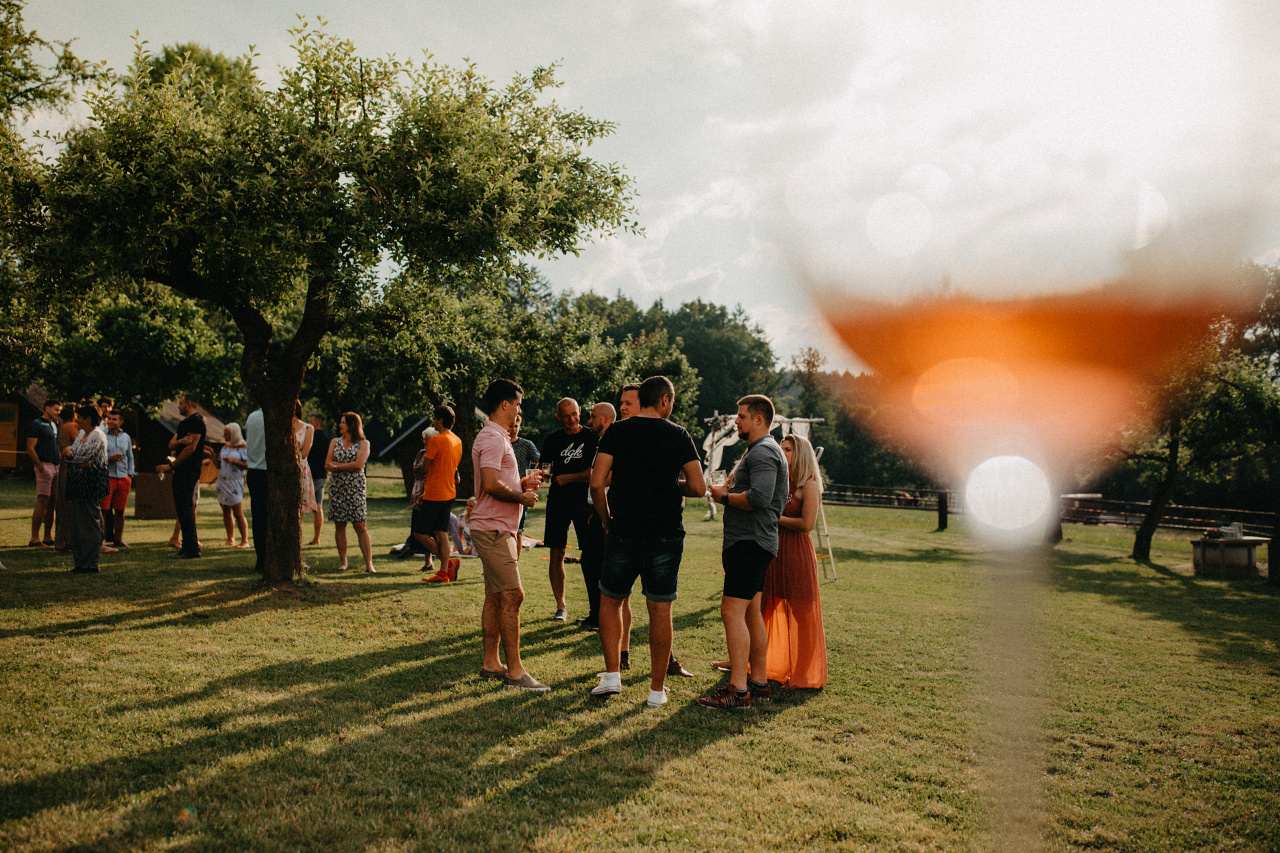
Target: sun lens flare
1008 493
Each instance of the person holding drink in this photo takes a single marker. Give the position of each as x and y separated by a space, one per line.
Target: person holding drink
566 460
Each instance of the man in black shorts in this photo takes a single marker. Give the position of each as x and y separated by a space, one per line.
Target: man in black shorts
642 516
570 450
753 503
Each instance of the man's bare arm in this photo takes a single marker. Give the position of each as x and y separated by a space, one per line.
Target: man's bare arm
693 485
493 485
600 476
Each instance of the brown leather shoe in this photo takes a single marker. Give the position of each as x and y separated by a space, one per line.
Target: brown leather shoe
726 697
675 668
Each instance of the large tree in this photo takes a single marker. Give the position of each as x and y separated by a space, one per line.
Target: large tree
258 200
1218 420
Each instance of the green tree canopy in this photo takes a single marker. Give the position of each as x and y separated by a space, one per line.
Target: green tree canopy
730 353
34 74
258 200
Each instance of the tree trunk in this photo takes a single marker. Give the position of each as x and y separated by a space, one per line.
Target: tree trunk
275 387
1160 498
464 425
1273 577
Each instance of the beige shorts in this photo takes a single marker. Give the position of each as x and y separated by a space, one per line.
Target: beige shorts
500 557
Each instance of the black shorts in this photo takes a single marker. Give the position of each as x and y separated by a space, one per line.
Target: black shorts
559 513
431 517
745 563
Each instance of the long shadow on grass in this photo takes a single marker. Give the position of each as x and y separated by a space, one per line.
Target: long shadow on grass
159 592
911 555
1237 620
399 744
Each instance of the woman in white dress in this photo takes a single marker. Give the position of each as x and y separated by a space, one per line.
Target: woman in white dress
304 434
232 463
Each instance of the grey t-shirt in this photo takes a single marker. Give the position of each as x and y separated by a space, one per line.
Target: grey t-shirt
762 476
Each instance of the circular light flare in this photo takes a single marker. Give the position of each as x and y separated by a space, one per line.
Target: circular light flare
1007 493
963 391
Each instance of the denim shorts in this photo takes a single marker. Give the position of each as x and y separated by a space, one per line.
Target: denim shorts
656 561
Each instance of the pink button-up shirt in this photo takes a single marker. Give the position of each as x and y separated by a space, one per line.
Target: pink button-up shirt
492 449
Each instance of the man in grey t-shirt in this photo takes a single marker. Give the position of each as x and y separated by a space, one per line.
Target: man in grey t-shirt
753 503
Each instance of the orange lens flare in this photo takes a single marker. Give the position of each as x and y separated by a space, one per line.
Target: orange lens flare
1049 379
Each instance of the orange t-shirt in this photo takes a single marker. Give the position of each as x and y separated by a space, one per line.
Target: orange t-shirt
444 451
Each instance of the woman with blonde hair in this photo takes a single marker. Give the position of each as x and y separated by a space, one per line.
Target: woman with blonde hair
790 604
232 462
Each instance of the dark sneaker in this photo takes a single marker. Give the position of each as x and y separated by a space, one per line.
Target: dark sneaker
625 663
675 668
451 568
726 697
758 691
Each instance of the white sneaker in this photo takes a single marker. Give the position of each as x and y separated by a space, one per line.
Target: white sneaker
610 684
657 698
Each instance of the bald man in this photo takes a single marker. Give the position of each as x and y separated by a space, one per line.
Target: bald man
592 545
570 450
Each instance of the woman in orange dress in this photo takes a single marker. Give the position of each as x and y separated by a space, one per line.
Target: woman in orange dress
791 606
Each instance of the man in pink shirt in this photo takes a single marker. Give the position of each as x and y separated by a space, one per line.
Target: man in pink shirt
495 524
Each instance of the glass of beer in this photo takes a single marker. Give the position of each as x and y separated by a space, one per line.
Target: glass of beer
719 477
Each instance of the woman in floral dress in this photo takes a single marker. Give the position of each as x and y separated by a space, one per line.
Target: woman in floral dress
345 463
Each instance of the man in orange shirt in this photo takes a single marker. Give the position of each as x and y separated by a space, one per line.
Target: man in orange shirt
439 488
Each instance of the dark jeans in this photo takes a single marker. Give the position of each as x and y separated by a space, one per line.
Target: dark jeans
259 513
84 530
184 485
592 547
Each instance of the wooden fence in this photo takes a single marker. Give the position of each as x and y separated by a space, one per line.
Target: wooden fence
1077 510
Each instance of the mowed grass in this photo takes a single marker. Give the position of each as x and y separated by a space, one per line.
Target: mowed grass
170 704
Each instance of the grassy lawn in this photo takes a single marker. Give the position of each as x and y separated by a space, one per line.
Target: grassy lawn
1066 699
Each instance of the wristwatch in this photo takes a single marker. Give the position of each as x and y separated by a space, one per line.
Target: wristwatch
724 499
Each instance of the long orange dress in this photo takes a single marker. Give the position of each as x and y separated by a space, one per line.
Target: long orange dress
792 609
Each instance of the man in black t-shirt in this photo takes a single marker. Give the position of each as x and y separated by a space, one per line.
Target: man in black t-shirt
642 460
570 451
188 443
42 449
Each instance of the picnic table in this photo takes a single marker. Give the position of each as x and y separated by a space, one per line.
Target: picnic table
1226 557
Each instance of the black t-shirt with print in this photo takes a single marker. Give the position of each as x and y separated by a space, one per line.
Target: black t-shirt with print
569 454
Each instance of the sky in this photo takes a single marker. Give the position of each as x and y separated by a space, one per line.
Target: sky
786 152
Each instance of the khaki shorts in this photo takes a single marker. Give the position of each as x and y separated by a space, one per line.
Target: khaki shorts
500 557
